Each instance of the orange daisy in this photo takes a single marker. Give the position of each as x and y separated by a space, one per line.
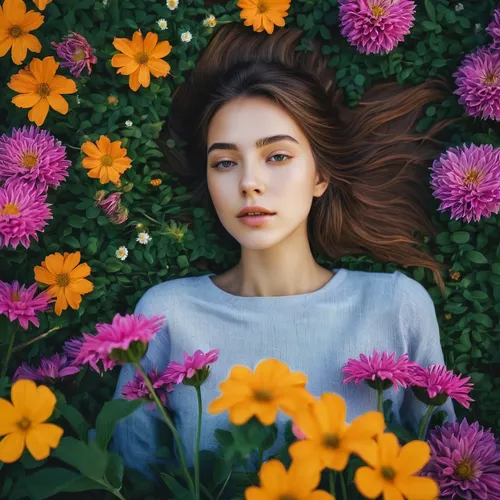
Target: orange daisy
15 27
66 278
105 160
40 88
264 14
41 4
139 57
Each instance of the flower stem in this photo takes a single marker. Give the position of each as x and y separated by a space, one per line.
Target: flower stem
332 476
380 400
197 450
343 486
39 337
424 422
224 486
170 424
12 332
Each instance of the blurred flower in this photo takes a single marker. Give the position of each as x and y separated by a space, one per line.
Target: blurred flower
447 316
465 461
172 4
478 83
392 470
19 303
156 182
15 27
162 24
493 29
129 123
136 388
186 36
210 21
455 276
459 7
72 349
33 154
110 204
264 15
195 369
273 386
40 88
120 217
376 26
328 438
41 4
125 340
467 181
478 27
105 160
112 99
122 253
23 213
78 100
383 369
76 52
56 367
22 422
298 483
297 432
140 57
66 278
434 384
144 238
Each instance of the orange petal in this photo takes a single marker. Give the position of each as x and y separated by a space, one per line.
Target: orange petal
74 299
303 477
61 302
50 66
133 81
304 450
365 426
14 11
81 287
273 477
58 103
122 60
335 459
39 112
150 42
124 45
71 261
23 82
331 412
94 173
90 149
144 75
309 425
54 263
138 42
91 162
104 144
32 20
240 413
9 416
42 275
5 45
42 404
128 68
266 413
320 495
275 17
161 50
412 458
368 482
12 447
116 151
40 438
389 449
62 85
22 393
32 43
158 67
426 487
36 68
390 492
19 50
255 493
26 100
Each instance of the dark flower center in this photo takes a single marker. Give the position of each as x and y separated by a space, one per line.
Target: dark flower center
107 161
331 441
29 160
142 58
62 280
388 473
16 32
24 423
15 297
263 396
465 469
43 89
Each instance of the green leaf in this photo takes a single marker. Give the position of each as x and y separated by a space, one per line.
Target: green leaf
359 80
114 471
460 237
476 257
179 491
75 418
182 261
76 221
431 10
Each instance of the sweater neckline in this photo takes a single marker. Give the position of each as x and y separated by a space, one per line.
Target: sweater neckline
334 282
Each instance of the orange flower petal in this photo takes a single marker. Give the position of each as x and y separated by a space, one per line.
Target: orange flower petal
240 413
54 263
58 103
320 495
425 486
273 477
23 82
94 173
150 42
90 149
37 70
91 163
330 412
71 261
104 144
9 416
138 42
82 286
368 482
42 275
26 100
39 112
122 60
62 85
32 20
116 151
49 65
32 43
303 477
74 299
5 45
240 373
133 81
128 69
390 492
144 75
19 50
412 458
38 440
14 11
22 393
61 302
161 50
158 67
124 45
42 404
266 413
389 449
12 447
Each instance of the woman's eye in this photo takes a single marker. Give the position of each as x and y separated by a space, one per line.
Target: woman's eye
286 157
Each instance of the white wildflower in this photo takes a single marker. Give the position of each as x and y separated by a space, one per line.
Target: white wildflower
144 238
104 3
129 123
122 253
459 7
186 36
172 4
78 100
162 24
210 21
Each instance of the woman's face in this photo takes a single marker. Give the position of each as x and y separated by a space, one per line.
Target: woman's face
280 175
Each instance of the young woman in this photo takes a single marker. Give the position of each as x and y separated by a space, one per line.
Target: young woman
265 132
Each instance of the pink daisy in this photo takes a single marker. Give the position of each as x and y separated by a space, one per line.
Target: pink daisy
379 368
50 369
23 212
19 302
76 52
72 349
110 204
494 29
478 82
438 384
467 181
33 154
376 26
136 388
197 364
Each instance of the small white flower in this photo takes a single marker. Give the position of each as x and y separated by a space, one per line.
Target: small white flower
186 36
78 100
210 21
129 123
104 3
477 27
122 253
172 4
459 7
162 24
144 238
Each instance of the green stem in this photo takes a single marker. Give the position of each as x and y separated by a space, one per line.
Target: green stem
224 486
332 476
39 337
207 493
152 220
170 424
424 422
197 450
117 494
12 331
380 400
343 486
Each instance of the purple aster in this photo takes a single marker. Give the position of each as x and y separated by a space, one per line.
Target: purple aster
136 388
76 52
465 461
50 369
19 302
382 368
478 82
376 26
434 384
23 212
494 29
467 181
33 154
195 367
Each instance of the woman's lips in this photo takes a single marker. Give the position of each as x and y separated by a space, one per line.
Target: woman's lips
255 220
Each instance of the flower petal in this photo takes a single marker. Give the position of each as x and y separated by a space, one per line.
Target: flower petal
254 493
5 45
240 413
273 477
32 43
58 103
9 416
14 11
12 447
19 50
32 20
161 50
412 458
26 100
303 477
22 394
158 67
54 263
389 449
133 81
144 75
81 286
150 42
42 405
368 482
62 85
124 45
392 493
39 111
91 150
410 485
42 275
104 144
41 438
61 302
330 412
71 261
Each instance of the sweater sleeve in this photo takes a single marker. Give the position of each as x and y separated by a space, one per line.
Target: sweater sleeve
137 437
417 318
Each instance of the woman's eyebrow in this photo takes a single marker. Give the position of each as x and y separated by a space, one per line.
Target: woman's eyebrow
259 143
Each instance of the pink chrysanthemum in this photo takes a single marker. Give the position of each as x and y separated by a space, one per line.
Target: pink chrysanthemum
376 26
23 212
33 154
494 30
478 82
438 384
51 369
467 181
112 342
76 52
19 303
379 369
197 364
136 388
110 204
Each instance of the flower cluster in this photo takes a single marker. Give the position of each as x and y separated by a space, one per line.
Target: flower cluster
51 369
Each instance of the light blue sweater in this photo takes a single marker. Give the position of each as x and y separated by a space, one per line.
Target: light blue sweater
315 333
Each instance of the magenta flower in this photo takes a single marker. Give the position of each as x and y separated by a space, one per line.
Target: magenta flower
465 461
120 217
467 181
195 368
110 204
297 432
76 52
376 26
33 154
434 384
494 29
379 369
72 347
478 82
124 340
50 369
136 388
19 303
23 212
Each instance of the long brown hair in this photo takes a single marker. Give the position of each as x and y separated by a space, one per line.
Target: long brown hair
377 200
